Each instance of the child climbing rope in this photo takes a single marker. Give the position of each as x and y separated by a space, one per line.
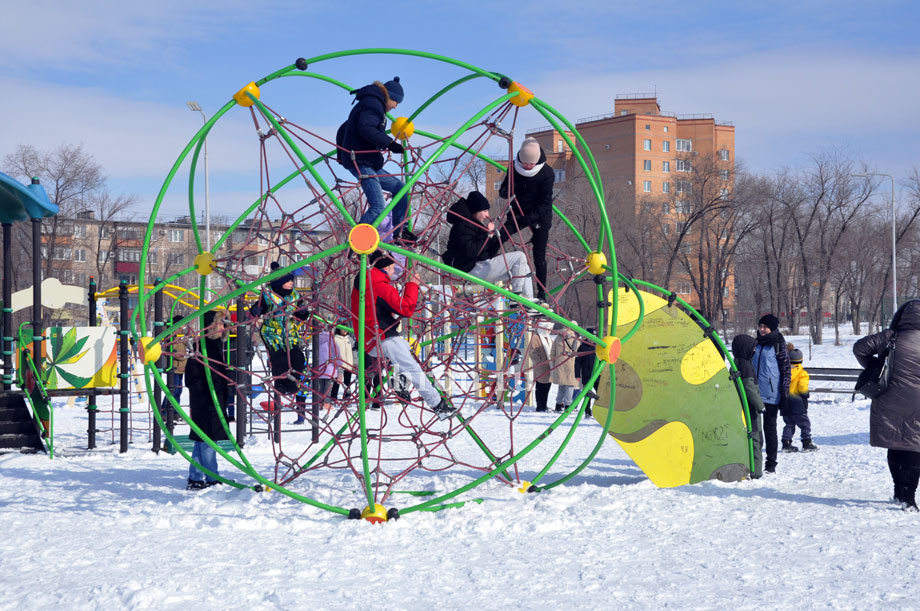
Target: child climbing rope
383 308
283 313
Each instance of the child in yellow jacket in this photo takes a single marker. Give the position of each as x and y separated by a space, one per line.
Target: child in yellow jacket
795 414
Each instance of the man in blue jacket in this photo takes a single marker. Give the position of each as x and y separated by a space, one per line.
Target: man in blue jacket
360 141
774 374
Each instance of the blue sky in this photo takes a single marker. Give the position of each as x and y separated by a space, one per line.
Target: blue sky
794 77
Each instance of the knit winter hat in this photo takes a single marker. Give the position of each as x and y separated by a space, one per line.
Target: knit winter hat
530 151
476 202
796 356
772 322
395 90
381 259
278 283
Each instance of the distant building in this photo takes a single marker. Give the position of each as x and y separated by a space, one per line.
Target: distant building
645 157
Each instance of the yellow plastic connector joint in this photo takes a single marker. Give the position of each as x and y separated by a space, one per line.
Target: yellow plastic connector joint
375 514
609 352
242 99
524 94
150 350
596 262
364 239
524 487
204 263
402 128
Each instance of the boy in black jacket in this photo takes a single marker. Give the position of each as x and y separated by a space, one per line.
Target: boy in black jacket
532 205
472 247
360 141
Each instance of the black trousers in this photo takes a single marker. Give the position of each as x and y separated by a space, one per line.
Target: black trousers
346 379
769 433
905 473
538 241
542 394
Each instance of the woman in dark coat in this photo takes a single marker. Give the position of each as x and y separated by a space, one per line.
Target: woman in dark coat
894 419
203 408
532 206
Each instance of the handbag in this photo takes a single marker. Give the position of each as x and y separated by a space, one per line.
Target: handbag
873 381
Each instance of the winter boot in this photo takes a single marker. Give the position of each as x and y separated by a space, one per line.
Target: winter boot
194 484
898 494
559 407
910 477
808 446
588 413
444 410
788 447
541 408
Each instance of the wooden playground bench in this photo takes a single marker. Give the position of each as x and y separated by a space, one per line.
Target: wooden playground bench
832 374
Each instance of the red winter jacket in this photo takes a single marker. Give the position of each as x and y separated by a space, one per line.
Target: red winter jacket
383 306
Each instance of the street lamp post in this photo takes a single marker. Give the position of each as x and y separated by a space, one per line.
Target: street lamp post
894 259
193 106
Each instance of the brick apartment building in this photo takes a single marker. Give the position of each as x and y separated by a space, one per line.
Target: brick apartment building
83 246
645 158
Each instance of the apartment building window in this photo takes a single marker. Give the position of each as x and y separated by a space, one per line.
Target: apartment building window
79 231
665 187
152 256
665 207
105 232
103 256
647 144
496 186
177 235
648 127
683 186
560 175
73 278
684 165
723 192
623 113
129 278
79 255
724 174
647 165
647 186
666 229
257 260
665 166
682 206
262 240
666 145
665 129
62 253
685 227
684 145
177 258
129 255
723 154
683 288
560 146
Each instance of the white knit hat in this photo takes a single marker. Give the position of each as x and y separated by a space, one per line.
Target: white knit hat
530 151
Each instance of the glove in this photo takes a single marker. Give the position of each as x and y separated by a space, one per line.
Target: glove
396 147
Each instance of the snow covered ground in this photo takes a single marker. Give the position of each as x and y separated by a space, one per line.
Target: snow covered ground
106 530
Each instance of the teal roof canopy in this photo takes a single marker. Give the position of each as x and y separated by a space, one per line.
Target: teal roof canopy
20 202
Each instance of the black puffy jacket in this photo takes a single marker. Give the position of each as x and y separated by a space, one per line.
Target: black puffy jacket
894 419
533 195
469 242
365 129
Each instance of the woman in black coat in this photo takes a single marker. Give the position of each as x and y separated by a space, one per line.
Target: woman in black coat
203 408
532 205
894 418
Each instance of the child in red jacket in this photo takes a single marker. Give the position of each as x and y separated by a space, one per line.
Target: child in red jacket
383 308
